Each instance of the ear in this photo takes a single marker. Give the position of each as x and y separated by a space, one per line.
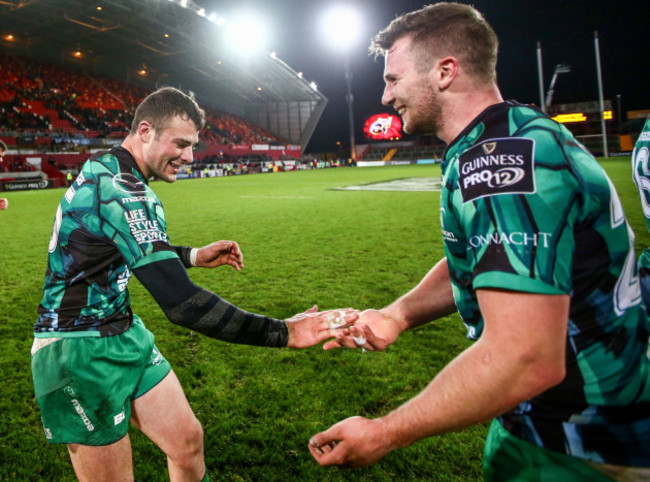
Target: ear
145 131
446 71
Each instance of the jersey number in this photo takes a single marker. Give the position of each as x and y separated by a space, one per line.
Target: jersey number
627 292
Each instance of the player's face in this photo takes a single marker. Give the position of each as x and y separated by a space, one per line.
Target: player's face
168 151
411 92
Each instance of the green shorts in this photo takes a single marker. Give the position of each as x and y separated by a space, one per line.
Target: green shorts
84 385
509 458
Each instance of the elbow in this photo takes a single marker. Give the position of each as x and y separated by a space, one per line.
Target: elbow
550 376
544 374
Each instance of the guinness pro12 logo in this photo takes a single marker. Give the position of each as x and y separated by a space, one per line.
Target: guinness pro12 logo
497 166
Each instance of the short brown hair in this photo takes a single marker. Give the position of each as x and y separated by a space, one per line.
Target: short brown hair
3 146
441 29
161 106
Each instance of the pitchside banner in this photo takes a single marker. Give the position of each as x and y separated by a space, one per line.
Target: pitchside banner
26 185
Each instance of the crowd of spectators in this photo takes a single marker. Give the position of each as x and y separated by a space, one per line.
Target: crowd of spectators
37 97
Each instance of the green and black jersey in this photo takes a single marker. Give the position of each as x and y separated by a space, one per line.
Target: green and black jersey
108 222
641 173
525 207
109 225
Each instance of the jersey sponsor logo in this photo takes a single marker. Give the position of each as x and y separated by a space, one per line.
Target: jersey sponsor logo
129 183
497 166
135 199
143 229
123 280
119 418
447 235
156 357
78 408
645 136
80 179
516 239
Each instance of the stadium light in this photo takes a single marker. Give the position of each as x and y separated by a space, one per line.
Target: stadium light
559 69
341 26
341 30
246 33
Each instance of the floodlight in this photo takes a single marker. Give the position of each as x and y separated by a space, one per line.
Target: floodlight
341 26
246 33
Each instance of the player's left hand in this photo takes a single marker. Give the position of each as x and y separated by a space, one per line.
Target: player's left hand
312 326
220 253
354 442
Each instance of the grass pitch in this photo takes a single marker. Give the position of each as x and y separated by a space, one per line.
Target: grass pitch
304 243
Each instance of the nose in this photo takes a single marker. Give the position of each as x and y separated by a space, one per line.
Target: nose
387 97
187 155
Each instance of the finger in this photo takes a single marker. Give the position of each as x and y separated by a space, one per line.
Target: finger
338 319
331 453
346 340
366 338
332 344
235 262
322 439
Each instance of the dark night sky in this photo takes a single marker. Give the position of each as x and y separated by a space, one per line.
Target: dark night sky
565 29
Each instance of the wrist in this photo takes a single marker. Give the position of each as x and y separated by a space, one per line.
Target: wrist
193 254
396 316
392 437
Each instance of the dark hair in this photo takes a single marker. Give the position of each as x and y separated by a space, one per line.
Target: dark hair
441 29
3 146
161 106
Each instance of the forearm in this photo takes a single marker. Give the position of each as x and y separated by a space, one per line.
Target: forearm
431 299
474 388
200 310
520 354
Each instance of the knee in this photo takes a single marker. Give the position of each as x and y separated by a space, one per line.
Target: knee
189 444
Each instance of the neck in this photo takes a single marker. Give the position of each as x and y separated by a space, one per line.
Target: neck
132 145
463 107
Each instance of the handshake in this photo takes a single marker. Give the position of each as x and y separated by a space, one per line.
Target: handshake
371 330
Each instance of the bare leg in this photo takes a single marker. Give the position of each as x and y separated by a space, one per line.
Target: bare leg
164 415
105 463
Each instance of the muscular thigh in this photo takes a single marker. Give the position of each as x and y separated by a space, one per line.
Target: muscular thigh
165 416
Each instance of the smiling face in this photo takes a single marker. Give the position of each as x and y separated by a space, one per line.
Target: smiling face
410 90
166 152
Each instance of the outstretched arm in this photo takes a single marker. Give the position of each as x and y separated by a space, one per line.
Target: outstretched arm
520 354
189 305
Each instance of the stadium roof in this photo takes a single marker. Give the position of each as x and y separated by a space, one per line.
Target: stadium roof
177 44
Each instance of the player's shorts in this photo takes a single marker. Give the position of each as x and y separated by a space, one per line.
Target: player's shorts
84 385
509 458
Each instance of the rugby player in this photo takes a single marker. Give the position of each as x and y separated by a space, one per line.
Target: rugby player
641 174
539 262
95 365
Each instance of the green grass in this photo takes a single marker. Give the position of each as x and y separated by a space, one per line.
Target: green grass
303 243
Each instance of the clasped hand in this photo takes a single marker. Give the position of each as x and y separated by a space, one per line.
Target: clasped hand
374 330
